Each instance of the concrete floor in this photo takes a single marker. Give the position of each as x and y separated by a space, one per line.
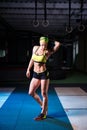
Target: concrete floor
74 102
4 94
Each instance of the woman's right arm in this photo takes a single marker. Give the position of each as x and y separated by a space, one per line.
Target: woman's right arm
31 63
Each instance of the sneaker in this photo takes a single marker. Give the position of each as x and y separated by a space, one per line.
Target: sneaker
40 117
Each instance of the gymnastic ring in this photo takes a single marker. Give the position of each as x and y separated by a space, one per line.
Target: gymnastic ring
69 29
45 23
81 28
35 23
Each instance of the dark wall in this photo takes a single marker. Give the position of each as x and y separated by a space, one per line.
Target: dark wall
81 63
18 49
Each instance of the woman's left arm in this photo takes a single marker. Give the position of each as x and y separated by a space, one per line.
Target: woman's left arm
56 46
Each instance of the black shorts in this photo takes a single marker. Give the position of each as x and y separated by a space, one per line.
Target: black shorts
42 75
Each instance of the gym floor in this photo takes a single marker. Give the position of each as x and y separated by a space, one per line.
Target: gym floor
67 106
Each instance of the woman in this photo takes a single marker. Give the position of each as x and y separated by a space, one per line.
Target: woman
40 73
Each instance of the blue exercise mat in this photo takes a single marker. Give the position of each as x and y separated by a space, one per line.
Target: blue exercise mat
20 109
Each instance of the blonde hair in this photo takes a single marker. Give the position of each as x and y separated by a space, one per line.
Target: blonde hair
44 39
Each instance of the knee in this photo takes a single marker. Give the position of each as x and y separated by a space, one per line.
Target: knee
44 94
31 93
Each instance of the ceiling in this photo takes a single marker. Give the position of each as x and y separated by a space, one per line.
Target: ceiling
20 14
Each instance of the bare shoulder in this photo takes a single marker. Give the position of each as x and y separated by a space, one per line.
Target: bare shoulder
35 48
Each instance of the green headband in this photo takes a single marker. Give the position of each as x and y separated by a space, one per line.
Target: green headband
44 39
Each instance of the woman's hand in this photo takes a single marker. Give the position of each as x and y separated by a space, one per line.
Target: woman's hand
28 74
29 68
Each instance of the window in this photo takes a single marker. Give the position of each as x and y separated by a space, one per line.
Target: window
2 53
75 50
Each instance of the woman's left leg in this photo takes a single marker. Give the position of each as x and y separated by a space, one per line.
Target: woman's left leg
44 92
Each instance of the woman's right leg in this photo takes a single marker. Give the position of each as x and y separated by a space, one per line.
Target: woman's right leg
34 84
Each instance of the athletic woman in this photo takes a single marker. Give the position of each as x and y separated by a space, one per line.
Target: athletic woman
40 76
